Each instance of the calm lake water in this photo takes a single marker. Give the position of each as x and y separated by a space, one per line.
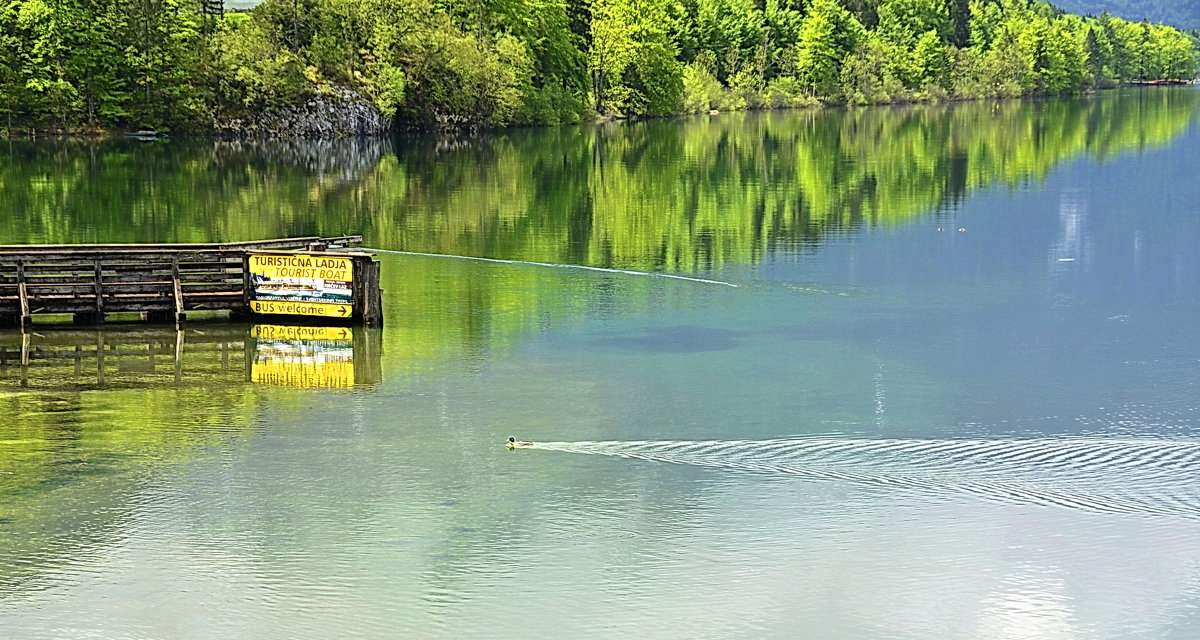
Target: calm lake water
926 372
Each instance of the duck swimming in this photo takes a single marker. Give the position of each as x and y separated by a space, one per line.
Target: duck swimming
513 443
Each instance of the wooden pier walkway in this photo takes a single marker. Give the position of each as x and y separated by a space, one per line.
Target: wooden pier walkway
163 282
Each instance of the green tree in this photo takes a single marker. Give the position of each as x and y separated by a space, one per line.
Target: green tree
905 21
870 74
959 12
930 62
1059 62
255 66
633 60
162 41
828 34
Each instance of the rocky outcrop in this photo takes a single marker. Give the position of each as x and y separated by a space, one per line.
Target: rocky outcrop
333 112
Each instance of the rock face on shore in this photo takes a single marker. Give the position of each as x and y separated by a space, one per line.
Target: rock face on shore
334 112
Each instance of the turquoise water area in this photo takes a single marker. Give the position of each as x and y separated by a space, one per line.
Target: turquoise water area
925 372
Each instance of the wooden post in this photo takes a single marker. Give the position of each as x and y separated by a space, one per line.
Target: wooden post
99 293
247 289
368 296
97 316
23 293
180 316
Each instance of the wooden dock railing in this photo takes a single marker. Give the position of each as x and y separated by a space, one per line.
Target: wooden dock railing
163 282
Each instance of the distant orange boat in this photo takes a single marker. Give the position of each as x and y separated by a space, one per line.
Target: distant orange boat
1160 82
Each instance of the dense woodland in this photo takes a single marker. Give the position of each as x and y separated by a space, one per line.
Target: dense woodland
184 64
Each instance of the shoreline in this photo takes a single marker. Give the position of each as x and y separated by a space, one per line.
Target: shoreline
216 134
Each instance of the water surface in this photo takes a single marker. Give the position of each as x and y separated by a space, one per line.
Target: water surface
933 374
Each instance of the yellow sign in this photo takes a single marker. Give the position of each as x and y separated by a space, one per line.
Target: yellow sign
278 332
300 284
303 374
298 266
322 309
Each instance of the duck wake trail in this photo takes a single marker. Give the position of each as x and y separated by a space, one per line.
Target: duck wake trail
1135 476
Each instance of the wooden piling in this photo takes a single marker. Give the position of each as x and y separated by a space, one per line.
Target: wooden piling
99 272
178 292
368 293
23 292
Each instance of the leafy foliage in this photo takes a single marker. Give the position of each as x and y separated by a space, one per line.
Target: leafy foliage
72 64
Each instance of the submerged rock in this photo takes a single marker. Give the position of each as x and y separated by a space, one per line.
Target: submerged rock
333 112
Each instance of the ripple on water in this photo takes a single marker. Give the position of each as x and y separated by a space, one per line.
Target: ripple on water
1105 475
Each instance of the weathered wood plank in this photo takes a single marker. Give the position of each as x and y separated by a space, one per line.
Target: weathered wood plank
87 289
37 291
137 304
127 257
282 243
235 279
46 295
170 247
109 270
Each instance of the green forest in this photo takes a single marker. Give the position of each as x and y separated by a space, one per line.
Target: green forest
184 65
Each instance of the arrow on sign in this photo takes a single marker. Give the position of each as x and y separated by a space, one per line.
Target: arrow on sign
343 310
343 333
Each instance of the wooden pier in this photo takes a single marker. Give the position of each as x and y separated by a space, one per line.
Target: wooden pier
163 282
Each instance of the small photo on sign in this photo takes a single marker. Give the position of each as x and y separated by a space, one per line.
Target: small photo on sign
301 289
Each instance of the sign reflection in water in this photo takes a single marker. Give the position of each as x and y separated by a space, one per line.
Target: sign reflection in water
314 356
131 357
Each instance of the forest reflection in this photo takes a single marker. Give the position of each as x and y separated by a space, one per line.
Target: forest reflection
680 195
